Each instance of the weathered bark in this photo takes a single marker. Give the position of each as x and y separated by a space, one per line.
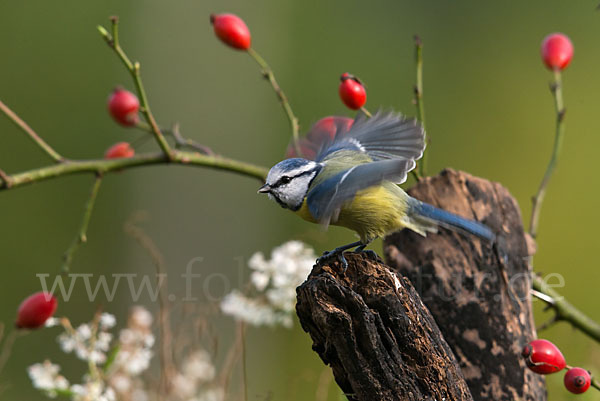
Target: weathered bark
478 293
374 331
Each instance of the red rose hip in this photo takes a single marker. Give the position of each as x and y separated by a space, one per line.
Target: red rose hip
123 107
35 310
577 380
352 92
557 51
232 30
119 150
323 131
543 357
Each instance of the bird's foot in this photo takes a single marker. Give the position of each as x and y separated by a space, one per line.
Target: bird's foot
333 255
371 254
368 253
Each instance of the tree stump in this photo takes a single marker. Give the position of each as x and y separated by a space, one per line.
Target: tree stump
477 292
380 340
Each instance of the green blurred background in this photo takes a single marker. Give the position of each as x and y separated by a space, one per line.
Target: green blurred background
489 112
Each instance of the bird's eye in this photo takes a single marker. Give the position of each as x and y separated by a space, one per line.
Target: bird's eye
285 179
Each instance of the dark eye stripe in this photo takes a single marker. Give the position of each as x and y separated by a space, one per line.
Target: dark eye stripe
286 180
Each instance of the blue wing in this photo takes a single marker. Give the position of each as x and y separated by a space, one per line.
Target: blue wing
325 199
383 136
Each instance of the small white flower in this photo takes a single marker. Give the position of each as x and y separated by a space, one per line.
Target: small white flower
198 366
260 280
141 317
52 322
185 387
121 383
67 342
134 362
45 376
103 341
107 321
213 394
276 281
84 331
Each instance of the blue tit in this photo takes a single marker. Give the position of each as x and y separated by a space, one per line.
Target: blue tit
354 182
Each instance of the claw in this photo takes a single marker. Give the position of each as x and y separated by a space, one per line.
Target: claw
371 254
328 256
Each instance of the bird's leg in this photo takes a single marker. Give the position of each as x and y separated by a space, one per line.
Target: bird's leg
371 254
339 254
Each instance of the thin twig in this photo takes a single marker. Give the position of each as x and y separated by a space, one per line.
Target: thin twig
242 328
95 373
180 141
6 179
366 112
102 166
595 384
82 234
548 323
7 346
556 88
167 366
134 70
270 76
230 360
566 311
31 133
419 101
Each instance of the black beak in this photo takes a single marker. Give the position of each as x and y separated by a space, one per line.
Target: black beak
264 189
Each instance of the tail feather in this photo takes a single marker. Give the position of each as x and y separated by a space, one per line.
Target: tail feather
431 214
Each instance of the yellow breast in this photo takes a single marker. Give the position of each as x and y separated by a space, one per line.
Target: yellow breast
374 212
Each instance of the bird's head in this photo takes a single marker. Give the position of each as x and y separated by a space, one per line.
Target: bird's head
288 181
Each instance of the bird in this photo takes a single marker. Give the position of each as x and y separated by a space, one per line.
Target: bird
351 178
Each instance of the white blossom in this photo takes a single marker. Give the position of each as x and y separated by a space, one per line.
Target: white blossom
140 317
199 366
107 321
212 394
52 322
275 282
93 390
44 376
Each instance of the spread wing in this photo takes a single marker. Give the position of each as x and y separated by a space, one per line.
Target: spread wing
383 136
326 199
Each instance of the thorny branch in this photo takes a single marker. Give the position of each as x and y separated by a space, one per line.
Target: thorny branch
419 101
270 76
82 235
556 88
134 70
564 310
31 133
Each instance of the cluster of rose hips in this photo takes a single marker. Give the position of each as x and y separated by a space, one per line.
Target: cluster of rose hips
543 357
124 106
233 31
